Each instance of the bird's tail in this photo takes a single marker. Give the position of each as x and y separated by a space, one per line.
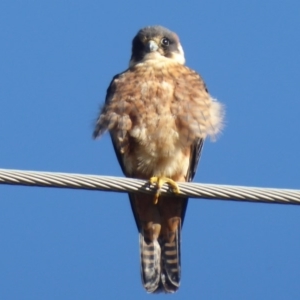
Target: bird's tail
150 263
170 261
160 263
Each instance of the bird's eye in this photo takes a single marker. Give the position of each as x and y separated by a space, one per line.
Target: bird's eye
165 42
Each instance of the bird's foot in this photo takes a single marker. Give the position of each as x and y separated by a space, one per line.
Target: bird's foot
159 182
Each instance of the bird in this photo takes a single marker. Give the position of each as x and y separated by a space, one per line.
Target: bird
158 113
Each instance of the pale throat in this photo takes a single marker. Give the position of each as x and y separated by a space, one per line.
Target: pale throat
158 59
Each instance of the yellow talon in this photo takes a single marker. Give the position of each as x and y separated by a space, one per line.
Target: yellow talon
160 181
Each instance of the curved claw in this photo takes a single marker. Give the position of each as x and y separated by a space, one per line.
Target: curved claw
160 181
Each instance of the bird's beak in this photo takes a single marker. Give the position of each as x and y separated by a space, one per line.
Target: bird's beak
151 46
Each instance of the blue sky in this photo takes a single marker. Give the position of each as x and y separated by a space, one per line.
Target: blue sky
56 61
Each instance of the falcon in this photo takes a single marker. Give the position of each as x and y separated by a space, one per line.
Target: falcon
158 113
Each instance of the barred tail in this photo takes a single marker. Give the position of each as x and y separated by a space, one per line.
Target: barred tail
159 234
171 265
160 264
150 264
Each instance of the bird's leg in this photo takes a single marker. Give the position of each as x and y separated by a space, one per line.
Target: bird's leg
160 181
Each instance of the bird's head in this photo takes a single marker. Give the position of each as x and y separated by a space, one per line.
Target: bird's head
156 42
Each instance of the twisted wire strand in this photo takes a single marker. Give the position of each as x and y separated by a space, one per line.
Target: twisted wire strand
125 185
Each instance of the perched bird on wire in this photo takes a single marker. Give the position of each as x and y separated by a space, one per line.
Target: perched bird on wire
158 113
